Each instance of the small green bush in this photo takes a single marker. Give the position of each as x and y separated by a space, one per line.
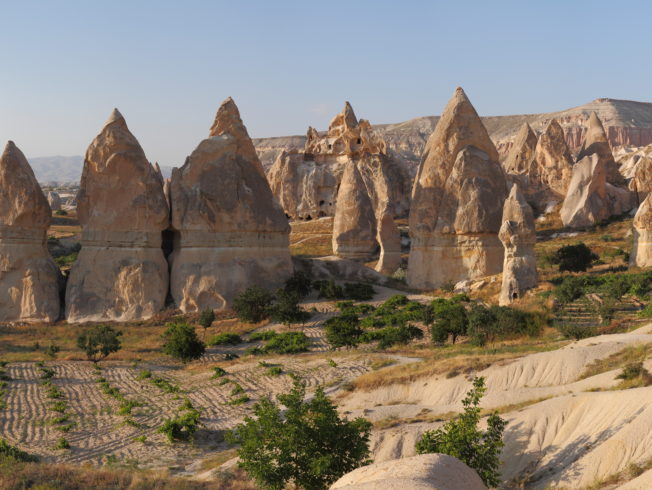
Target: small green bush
181 342
62 443
182 427
225 338
286 309
287 343
253 304
299 284
99 341
12 453
265 335
218 372
275 371
576 332
343 330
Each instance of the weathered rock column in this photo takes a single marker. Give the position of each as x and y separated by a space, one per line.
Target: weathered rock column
121 273
29 278
519 237
641 255
230 233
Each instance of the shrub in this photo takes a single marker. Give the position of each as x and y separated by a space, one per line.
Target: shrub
226 338
343 330
462 439
62 443
253 304
574 258
299 284
450 319
308 444
52 350
482 325
181 342
144 374
264 335
14 454
99 341
576 332
182 427
356 291
390 336
287 343
275 371
570 289
218 372
632 371
61 212
286 308
206 319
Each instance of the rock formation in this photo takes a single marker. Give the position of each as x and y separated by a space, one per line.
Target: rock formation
121 273
54 201
586 202
354 225
457 202
596 142
423 472
29 278
520 156
229 231
519 237
551 173
641 255
389 238
306 182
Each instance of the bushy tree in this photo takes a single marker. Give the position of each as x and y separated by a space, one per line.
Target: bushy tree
299 283
574 258
308 444
482 325
253 304
99 341
286 308
449 319
462 439
206 319
343 330
181 342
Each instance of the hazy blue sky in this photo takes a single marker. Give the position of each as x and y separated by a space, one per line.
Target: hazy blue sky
290 64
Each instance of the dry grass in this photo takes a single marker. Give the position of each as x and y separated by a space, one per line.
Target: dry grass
218 459
65 477
632 353
612 481
515 407
453 360
312 238
425 416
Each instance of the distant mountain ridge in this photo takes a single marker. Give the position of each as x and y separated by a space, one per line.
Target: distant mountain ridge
628 124
62 169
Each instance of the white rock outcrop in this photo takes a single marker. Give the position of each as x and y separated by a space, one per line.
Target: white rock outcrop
230 233
29 278
121 273
641 255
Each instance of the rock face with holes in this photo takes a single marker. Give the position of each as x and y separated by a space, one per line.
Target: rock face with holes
641 255
423 472
596 142
121 273
230 233
519 237
457 202
354 225
29 278
306 182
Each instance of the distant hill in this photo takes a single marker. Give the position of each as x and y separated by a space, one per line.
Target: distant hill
628 124
65 169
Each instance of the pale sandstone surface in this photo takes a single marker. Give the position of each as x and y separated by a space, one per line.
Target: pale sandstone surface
354 225
641 255
54 200
389 238
596 142
121 273
423 472
521 154
518 235
553 165
305 181
457 202
29 278
230 233
587 202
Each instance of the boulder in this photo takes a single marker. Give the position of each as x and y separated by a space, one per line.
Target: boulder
596 142
641 255
457 202
521 154
426 471
519 237
354 225
121 273
54 201
230 233
29 278
306 182
587 202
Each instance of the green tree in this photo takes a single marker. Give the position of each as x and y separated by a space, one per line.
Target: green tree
574 258
343 330
181 342
286 308
462 439
308 444
299 283
481 325
206 319
253 304
99 341
450 319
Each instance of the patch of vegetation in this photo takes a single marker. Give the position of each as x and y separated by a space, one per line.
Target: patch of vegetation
275 371
350 290
225 338
206 319
183 426
299 284
634 375
253 304
287 343
576 332
164 385
9 453
308 444
218 372
265 335
180 341
573 258
66 260
62 443
99 341
462 439
286 309
630 354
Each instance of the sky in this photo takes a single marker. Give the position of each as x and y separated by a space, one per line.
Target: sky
167 65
